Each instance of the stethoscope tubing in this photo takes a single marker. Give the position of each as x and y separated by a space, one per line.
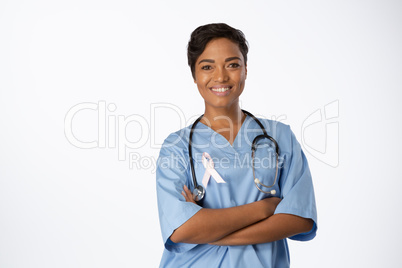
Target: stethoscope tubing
199 191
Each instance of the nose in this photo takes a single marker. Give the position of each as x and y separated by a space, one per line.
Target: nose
220 75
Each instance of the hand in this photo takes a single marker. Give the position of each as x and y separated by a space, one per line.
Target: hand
187 195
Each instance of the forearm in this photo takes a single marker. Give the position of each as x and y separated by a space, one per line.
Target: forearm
209 225
276 227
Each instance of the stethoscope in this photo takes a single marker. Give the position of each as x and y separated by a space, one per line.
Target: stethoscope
199 191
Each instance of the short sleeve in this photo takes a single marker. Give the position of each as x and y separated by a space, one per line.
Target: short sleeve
297 188
171 176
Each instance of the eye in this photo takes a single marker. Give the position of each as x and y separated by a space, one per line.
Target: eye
206 67
234 65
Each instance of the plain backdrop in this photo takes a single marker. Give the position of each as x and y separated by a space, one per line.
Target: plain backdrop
113 76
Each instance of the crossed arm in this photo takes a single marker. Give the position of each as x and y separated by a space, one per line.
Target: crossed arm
252 223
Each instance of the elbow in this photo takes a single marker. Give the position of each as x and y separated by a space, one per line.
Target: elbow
183 236
307 225
176 237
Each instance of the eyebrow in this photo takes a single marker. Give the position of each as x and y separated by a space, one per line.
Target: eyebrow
226 60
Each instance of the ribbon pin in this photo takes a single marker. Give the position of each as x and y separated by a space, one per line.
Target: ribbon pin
210 170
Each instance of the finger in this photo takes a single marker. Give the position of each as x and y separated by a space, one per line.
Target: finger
185 196
188 192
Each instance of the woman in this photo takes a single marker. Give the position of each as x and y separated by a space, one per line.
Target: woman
236 225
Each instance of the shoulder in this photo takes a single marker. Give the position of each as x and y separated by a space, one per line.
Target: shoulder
177 141
275 128
282 133
173 154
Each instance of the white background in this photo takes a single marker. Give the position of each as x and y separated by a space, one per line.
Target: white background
64 206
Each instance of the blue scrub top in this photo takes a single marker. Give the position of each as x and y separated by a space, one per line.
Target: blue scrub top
233 163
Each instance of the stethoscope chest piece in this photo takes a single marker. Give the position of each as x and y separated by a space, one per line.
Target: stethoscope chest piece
198 193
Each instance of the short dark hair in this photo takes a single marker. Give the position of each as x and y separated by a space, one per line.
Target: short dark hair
203 34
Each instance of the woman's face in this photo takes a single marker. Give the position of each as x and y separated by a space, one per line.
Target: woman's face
220 73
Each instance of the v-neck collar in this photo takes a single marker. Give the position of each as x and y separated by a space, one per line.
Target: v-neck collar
226 143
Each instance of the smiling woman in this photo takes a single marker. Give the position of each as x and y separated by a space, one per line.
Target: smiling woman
220 75
235 224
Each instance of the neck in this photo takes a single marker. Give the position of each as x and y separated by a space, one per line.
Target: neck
223 117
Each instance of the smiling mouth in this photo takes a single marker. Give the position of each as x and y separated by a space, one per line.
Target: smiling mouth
221 89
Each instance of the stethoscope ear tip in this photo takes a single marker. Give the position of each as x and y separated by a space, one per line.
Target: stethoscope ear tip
257 181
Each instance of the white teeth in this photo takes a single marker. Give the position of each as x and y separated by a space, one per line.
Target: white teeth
220 89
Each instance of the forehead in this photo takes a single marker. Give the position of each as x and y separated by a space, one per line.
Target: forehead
220 48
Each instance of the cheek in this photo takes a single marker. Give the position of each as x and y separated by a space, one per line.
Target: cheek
201 81
202 84
241 78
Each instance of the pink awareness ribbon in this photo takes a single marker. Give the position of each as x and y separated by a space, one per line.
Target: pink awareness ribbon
210 170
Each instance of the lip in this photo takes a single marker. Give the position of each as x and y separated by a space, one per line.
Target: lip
225 93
